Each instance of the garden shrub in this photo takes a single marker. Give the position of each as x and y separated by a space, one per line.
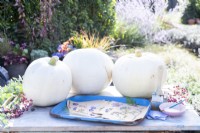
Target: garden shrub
38 53
128 35
150 16
19 19
174 35
4 45
92 16
143 13
39 23
190 38
192 11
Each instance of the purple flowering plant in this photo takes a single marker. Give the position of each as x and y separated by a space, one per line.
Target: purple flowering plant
17 54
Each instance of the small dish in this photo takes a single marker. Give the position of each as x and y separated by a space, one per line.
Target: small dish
175 111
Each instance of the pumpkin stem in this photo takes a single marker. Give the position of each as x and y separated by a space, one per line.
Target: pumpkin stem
138 53
53 60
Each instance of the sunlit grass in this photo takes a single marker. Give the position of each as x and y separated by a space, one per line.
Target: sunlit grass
86 40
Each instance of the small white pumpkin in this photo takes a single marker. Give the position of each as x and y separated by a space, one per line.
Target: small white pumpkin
91 70
138 75
47 81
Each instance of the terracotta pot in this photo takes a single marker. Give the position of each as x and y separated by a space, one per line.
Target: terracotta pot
191 21
16 70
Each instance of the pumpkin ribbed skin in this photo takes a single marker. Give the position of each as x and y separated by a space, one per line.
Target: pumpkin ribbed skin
91 70
46 84
138 76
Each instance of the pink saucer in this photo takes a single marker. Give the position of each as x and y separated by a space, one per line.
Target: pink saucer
175 111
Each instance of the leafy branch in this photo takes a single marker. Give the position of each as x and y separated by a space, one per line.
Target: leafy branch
12 101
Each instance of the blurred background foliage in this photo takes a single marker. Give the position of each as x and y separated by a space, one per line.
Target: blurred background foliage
43 24
192 11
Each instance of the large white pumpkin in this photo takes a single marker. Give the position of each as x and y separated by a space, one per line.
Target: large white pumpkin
91 70
138 75
47 83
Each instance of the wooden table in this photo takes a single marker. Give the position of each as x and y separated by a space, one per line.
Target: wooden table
40 120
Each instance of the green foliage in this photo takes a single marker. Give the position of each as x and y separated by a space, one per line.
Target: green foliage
3 120
192 10
10 19
128 35
44 24
70 17
13 88
12 101
48 45
8 15
92 16
197 5
78 40
4 45
130 101
35 54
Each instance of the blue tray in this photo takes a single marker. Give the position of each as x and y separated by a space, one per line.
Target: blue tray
61 111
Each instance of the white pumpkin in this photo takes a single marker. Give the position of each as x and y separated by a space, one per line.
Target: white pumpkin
91 70
47 81
138 75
